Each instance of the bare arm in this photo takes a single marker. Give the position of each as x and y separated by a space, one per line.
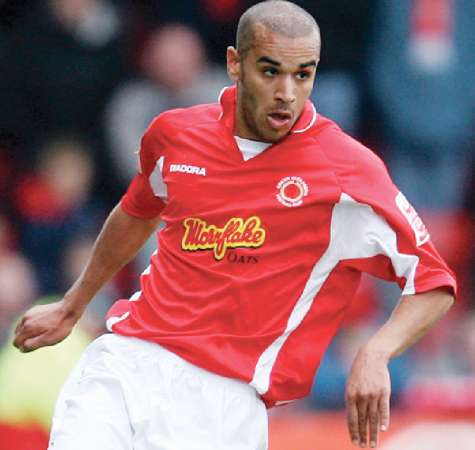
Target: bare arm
120 239
368 387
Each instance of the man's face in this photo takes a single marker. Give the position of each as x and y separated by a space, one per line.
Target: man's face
274 80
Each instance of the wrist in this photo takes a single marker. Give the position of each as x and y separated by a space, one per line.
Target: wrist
376 351
73 307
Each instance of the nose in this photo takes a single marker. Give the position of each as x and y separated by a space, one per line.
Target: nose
285 90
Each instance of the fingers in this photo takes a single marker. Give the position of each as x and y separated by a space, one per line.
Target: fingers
22 339
365 414
41 326
29 340
25 332
21 333
357 418
378 418
352 420
22 330
32 344
384 411
373 419
20 324
31 337
368 390
363 421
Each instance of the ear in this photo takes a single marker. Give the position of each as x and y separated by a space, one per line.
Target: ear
233 63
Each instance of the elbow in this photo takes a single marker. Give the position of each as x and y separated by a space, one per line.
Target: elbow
447 298
450 301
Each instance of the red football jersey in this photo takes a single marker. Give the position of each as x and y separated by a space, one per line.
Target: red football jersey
259 259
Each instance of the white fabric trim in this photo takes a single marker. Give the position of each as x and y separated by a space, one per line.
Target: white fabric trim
135 297
250 148
219 100
356 232
312 122
111 321
159 188
221 92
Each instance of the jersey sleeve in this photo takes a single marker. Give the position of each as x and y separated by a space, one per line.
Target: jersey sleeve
381 233
146 195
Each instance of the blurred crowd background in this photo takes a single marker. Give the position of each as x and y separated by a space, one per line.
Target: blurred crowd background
81 79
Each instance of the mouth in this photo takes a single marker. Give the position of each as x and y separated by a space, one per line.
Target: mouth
279 119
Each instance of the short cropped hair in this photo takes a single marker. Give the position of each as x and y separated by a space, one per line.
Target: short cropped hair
278 16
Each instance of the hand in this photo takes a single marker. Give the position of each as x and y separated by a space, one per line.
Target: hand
44 325
367 398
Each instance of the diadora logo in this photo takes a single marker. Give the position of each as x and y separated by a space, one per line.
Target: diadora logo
237 232
291 191
184 168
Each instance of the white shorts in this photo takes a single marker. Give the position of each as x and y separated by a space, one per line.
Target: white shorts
130 394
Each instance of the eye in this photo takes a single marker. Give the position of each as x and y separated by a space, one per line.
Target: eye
303 75
270 71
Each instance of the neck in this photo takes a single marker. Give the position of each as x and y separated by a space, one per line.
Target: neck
241 128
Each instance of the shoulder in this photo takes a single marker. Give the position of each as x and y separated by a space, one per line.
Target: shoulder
355 166
164 128
169 123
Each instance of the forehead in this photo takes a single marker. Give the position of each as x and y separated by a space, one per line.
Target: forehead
287 50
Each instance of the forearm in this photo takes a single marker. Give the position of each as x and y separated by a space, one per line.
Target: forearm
411 319
120 239
368 388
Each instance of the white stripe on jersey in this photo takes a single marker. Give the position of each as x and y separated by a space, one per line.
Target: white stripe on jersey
135 296
113 320
159 188
356 232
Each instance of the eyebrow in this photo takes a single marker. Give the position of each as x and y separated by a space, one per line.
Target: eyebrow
268 60
308 64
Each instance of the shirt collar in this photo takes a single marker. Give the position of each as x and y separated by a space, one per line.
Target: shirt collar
227 99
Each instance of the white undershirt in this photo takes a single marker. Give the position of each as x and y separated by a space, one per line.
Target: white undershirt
250 148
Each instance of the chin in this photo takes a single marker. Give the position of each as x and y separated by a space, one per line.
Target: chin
271 136
277 135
